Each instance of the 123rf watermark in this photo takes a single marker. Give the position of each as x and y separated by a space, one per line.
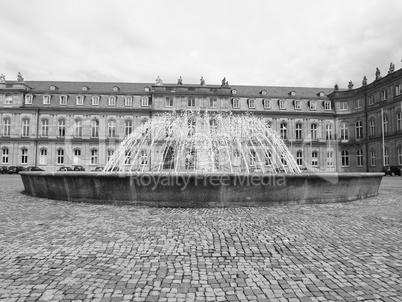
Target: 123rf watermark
183 181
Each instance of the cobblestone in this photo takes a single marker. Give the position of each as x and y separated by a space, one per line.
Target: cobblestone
61 251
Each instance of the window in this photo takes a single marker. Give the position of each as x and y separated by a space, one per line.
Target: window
236 158
283 130
313 105
60 156
127 157
77 156
6 126
385 124
53 88
25 127
345 158
46 99
343 106
299 131
44 128
268 157
4 155
95 101
314 159
370 100
168 158
144 101
62 128
28 99
251 103
330 160
94 157
297 104
372 128
282 104
313 131
191 102
63 100
43 156
359 130
235 103
327 105
84 88
111 128
266 104
128 101
397 89
115 89
143 158
252 157
95 128
8 100
399 121
328 132
128 127
386 157
79 100
24 156
112 101
283 160
78 128
213 103
344 131
169 102
358 103
110 153
384 95
359 158
299 158
399 155
372 158
191 157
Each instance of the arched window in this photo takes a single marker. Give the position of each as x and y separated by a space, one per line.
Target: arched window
330 158
4 155
299 157
110 153
24 156
60 156
372 158
6 126
143 158
283 129
44 128
359 158
359 129
345 158
77 156
43 156
314 158
372 127
94 157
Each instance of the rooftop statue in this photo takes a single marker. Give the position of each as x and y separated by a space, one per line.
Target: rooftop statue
391 68
202 81
364 82
350 86
2 78
336 87
159 81
377 74
20 78
180 81
225 82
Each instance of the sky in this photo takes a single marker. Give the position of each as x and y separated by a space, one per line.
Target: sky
309 43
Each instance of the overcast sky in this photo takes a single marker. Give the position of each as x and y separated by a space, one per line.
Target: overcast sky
311 43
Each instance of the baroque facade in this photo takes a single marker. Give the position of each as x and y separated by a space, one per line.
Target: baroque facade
50 124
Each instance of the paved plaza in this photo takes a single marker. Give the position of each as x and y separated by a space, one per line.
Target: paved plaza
61 251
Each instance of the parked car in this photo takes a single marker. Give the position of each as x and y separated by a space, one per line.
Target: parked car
65 169
391 170
15 169
3 169
78 168
32 168
97 169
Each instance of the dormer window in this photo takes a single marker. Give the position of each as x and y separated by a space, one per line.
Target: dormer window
263 92
95 100
282 104
313 105
85 88
115 89
63 100
266 103
251 103
327 105
128 101
53 88
292 93
46 99
79 100
146 89
144 101
112 101
236 103
321 94
297 104
234 91
28 99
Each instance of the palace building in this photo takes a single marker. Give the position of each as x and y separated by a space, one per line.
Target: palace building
51 124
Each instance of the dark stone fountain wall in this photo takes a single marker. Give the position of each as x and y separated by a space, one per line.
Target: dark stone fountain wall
201 190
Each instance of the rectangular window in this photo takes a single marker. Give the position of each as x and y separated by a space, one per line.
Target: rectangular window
313 131
63 100
343 106
372 128
358 103
282 104
252 157
328 132
112 129
95 128
345 158
4 155
78 128
28 99
299 132
359 158
144 101
313 105
267 104
8 100
24 156
79 100
191 102
77 156
45 128
299 158
384 95
46 99
372 158
399 121
6 127
62 128
43 157
128 101
370 100
297 104
397 89
112 101
235 103
386 157
25 128
169 102
128 127
94 157
95 101
314 159
213 102
327 105
110 153
330 162
344 132
251 103
60 156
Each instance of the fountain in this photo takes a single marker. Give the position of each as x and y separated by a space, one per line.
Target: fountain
202 159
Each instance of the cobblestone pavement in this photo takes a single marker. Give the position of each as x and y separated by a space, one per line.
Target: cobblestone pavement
61 251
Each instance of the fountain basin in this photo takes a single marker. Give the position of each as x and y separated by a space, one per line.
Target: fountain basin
201 190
